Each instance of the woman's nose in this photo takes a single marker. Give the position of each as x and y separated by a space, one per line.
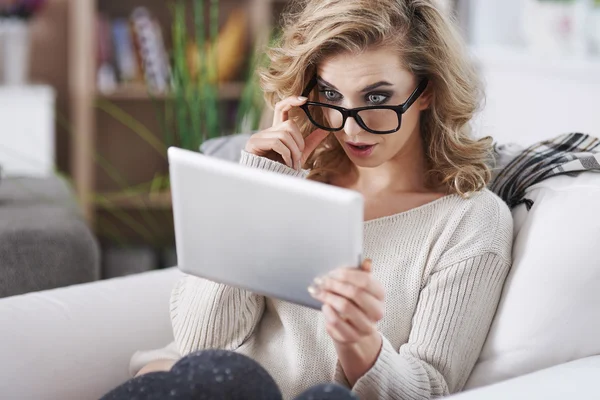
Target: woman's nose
351 127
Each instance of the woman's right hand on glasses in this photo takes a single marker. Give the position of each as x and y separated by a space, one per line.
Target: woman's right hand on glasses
283 142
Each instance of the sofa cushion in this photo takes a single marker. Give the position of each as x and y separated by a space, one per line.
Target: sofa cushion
548 313
44 240
76 342
564 381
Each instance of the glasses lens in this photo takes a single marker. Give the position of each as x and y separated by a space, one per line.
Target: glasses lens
328 118
380 120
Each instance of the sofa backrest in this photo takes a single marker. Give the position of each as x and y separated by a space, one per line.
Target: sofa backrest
548 313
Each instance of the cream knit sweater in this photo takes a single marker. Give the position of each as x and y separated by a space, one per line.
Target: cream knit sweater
443 266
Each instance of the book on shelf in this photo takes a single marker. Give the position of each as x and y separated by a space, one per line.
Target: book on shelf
131 52
106 79
151 50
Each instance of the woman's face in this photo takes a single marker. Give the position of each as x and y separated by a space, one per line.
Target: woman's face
372 78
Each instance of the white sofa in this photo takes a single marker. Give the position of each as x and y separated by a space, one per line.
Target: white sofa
75 343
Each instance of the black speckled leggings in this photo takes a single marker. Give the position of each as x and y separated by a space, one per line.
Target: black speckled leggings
216 374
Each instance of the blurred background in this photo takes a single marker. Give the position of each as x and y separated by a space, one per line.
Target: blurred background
94 91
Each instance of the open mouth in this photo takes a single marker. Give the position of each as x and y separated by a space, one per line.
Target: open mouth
361 149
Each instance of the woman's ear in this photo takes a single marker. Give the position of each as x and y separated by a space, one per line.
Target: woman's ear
425 99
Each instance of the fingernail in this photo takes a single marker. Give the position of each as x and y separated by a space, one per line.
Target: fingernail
318 281
302 98
314 290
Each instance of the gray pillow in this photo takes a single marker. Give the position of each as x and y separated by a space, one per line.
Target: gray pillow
226 147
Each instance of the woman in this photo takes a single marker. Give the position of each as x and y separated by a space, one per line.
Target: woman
387 95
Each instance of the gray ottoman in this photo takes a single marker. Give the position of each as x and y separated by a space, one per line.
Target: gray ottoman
44 241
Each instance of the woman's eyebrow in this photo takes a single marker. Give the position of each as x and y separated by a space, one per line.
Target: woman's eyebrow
323 82
375 86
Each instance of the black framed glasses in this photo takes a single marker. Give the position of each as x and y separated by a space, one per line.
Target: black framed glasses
379 120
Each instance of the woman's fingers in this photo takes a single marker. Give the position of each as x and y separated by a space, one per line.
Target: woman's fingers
367 265
287 132
348 311
347 289
312 141
338 328
283 150
292 129
263 143
287 138
272 147
361 279
282 108
372 307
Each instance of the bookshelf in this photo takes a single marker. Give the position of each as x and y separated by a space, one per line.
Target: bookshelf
227 91
107 156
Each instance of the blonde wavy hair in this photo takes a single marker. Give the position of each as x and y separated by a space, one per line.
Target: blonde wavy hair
429 46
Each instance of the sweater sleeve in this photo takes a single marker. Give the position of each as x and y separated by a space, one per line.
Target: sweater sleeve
206 315
255 161
451 321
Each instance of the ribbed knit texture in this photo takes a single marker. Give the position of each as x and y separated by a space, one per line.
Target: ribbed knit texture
443 266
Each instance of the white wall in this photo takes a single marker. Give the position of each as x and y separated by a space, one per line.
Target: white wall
530 98
494 22
27 130
534 92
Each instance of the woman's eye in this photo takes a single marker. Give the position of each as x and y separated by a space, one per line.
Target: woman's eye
377 98
331 95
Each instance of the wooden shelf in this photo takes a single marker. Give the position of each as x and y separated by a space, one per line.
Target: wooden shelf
107 143
120 200
227 91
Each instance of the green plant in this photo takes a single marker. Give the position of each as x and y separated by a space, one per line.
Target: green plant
252 103
194 110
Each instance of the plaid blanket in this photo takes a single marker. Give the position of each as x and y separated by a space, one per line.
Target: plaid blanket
568 154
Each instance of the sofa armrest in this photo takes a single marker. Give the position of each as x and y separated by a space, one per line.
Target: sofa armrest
76 342
573 380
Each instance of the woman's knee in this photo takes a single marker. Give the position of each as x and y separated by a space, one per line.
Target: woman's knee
225 374
221 363
328 391
149 386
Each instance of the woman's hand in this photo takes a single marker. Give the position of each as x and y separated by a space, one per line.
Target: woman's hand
283 142
353 303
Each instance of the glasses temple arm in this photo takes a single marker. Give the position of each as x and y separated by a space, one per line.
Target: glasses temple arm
415 95
311 84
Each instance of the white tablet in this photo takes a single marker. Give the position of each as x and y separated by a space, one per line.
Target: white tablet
259 230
